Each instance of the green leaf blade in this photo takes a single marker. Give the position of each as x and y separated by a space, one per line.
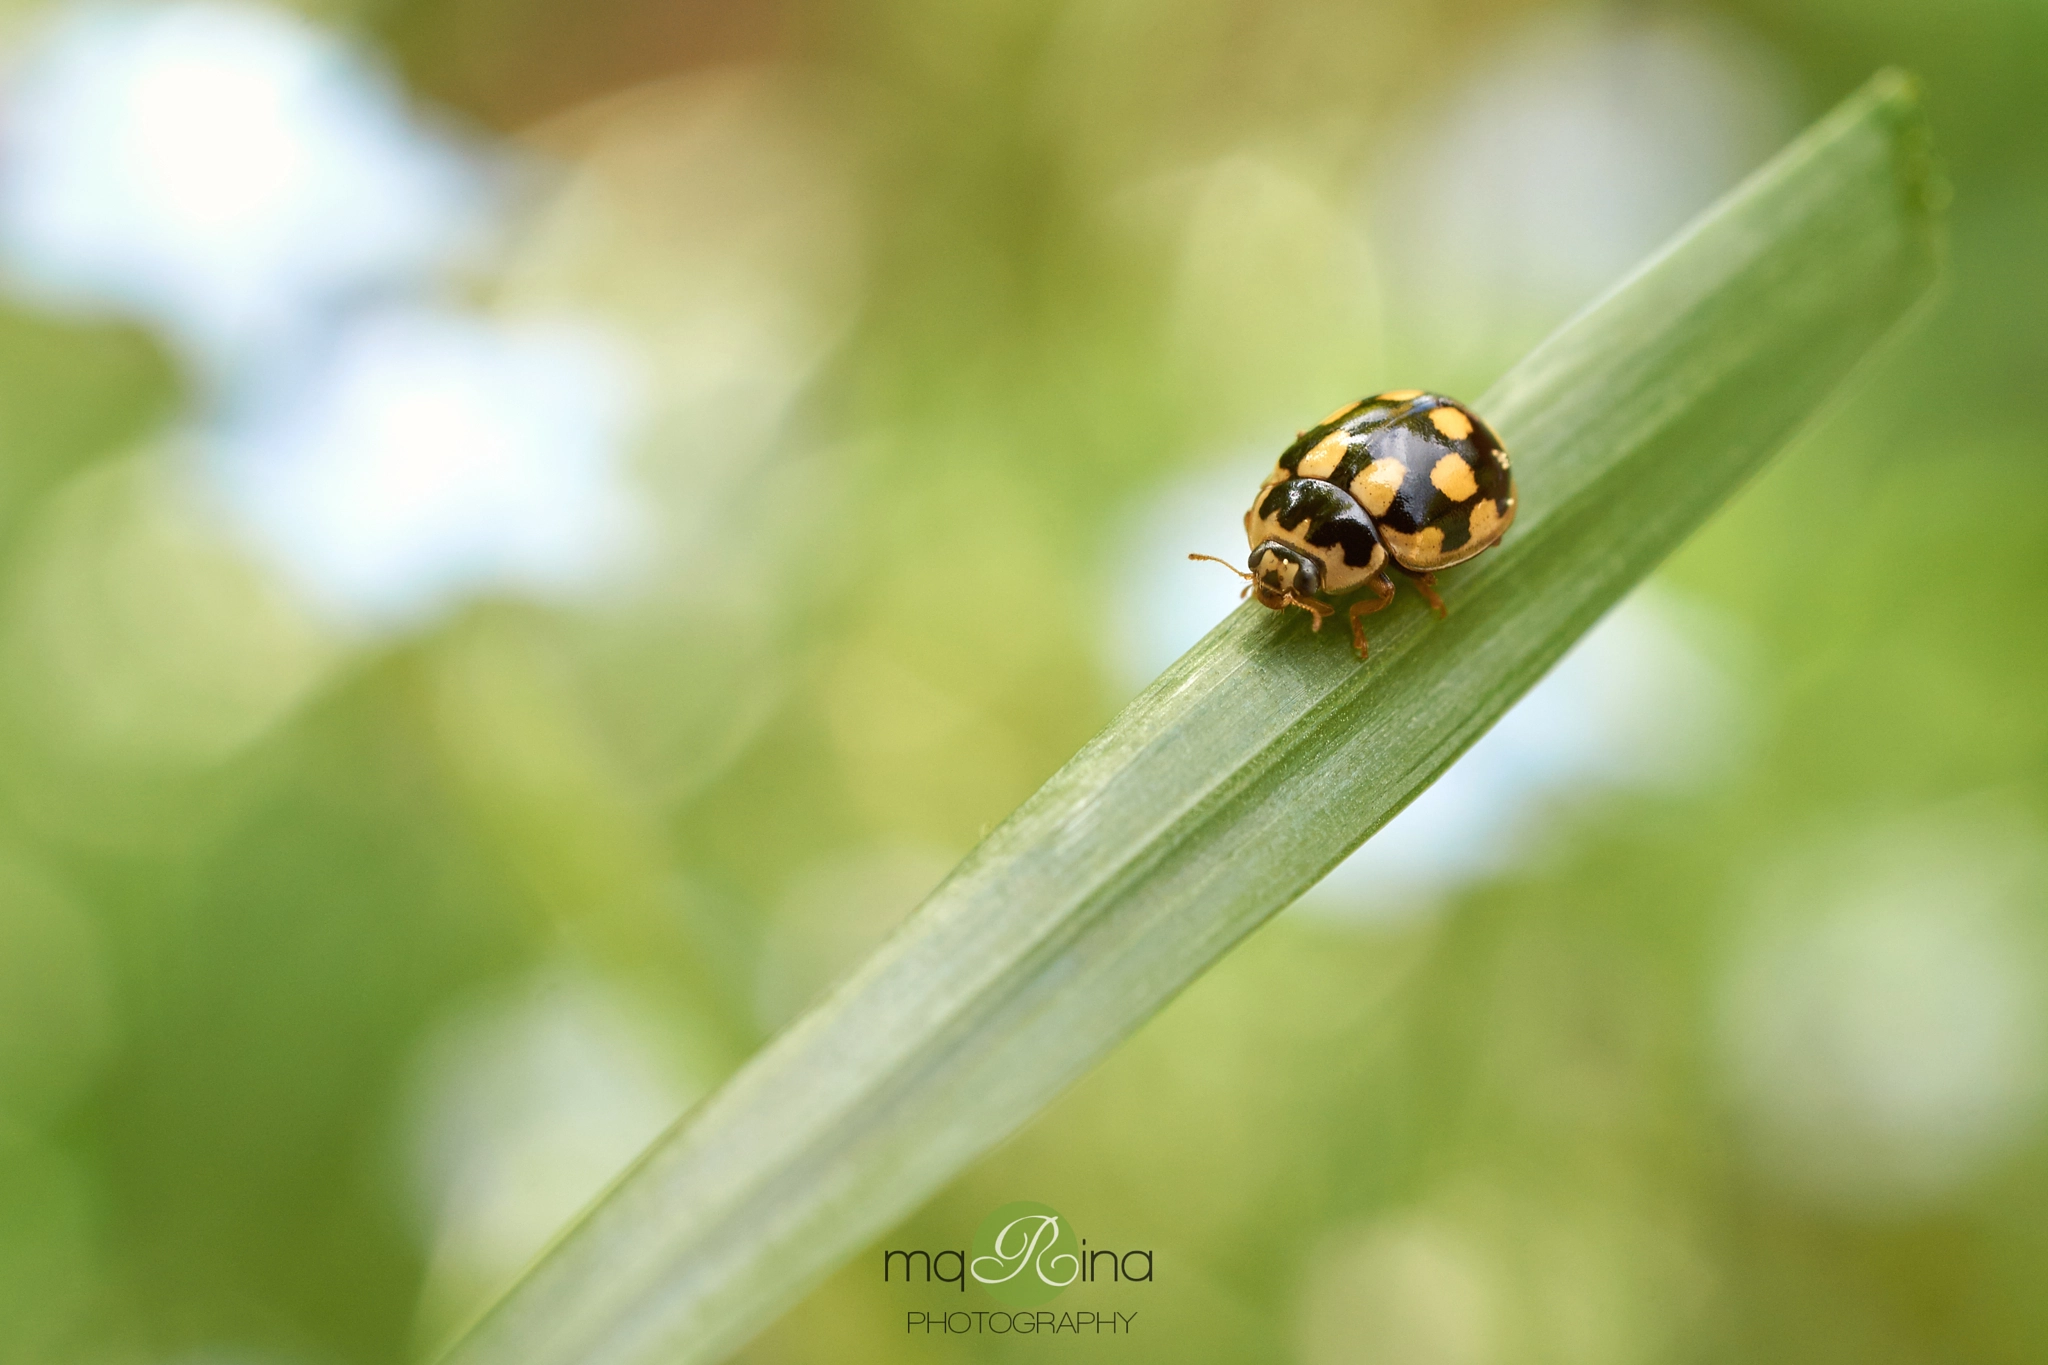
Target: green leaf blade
1248 770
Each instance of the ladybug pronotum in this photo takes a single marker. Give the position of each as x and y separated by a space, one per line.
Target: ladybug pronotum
1408 480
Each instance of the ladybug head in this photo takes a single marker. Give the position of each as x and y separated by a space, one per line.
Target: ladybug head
1283 576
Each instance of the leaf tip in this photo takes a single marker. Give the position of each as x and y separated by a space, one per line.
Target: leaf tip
1901 95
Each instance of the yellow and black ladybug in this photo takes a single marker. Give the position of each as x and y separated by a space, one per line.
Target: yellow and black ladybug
1408 478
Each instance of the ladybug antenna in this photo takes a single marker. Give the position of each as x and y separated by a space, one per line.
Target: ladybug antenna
1226 564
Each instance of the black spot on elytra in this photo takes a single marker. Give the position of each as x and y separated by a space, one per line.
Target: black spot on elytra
1457 527
1371 418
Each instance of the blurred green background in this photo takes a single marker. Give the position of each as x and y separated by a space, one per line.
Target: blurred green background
531 534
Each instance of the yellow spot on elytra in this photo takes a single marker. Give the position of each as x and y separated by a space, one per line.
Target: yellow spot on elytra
1321 461
1451 422
1423 550
1376 486
1486 522
1335 415
1453 477
1401 395
1501 456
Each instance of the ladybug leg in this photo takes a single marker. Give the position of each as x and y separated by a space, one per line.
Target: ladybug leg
1319 610
1425 583
1383 593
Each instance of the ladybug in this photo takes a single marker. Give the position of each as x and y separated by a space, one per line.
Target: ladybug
1408 480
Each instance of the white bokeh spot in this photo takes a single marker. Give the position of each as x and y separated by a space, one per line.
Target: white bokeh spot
223 172
1884 1018
1594 137
426 456
264 195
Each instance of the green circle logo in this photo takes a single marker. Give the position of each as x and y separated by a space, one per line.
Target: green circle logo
1024 1254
